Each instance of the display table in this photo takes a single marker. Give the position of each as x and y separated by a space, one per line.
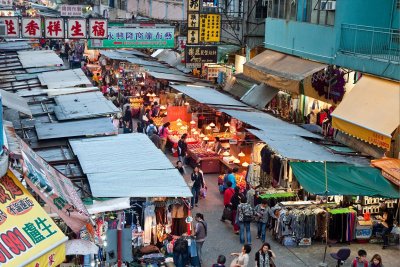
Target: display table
208 160
363 230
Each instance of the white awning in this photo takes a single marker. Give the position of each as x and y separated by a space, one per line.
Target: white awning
259 96
16 102
207 95
63 78
139 168
109 205
170 77
42 58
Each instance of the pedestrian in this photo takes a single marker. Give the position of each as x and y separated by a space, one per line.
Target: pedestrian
229 192
198 183
217 145
230 177
155 110
220 261
127 120
264 256
182 149
245 217
235 201
151 128
180 168
262 215
361 260
164 132
155 139
200 233
242 258
376 261
385 224
139 127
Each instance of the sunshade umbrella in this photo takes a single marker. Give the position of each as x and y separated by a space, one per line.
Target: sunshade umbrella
80 247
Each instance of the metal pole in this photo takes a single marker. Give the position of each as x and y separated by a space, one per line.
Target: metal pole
119 240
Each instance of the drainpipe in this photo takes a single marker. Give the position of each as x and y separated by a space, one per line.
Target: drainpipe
150 8
183 9
392 13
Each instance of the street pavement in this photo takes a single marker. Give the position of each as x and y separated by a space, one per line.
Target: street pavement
222 240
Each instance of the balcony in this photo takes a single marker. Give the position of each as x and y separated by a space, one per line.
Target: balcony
374 43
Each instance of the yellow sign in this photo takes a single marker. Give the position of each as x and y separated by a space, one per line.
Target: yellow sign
27 233
210 28
362 133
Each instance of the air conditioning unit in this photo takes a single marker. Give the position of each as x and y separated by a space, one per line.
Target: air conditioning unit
327 5
2 30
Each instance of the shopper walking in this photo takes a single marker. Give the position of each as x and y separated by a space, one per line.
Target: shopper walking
262 215
155 139
242 258
200 233
264 256
229 192
220 261
231 178
376 261
235 201
245 217
164 132
197 180
151 128
182 149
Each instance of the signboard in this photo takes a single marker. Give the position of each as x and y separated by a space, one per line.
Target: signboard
98 28
6 2
7 13
210 28
182 43
11 26
54 188
71 10
31 27
76 28
136 38
54 28
194 5
201 54
26 230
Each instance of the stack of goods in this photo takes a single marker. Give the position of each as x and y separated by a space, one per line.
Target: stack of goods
158 121
201 152
241 180
223 135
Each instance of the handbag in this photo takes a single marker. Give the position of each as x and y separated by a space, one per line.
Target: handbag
235 262
271 263
190 184
227 213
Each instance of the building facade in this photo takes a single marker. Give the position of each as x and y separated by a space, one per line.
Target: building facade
361 35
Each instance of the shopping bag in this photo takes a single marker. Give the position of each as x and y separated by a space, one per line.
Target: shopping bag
203 192
227 213
235 262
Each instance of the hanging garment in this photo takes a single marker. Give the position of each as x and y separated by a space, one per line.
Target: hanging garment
149 225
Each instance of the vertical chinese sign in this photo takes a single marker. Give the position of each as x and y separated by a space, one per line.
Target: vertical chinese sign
31 27
11 26
210 28
54 28
193 16
76 28
55 189
28 236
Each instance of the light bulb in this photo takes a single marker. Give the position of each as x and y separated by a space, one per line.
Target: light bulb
186 104
92 264
179 123
137 94
193 130
206 138
245 164
103 237
192 122
105 243
237 161
201 135
227 124
183 128
148 94
178 120
162 107
212 124
225 154
208 127
241 154
153 95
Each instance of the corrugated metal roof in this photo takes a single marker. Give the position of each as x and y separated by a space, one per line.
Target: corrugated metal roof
207 95
115 55
82 106
12 141
92 127
41 58
142 62
259 96
16 102
63 78
128 165
170 77
268 123
14 46
164 70
67 91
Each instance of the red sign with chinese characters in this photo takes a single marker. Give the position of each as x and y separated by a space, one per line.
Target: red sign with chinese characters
77 29
54 28
98 28
31 27
11 26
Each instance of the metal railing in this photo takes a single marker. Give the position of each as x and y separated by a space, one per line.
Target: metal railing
371 42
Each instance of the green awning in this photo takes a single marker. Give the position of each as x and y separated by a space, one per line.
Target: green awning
343 179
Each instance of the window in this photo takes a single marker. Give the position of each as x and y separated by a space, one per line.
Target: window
262 7
231 8
282 9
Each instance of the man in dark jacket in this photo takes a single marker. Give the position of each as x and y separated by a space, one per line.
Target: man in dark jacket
182 148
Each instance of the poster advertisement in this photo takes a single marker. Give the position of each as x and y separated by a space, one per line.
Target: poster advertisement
28 236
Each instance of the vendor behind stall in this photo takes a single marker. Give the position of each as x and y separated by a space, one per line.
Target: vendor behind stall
385 224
